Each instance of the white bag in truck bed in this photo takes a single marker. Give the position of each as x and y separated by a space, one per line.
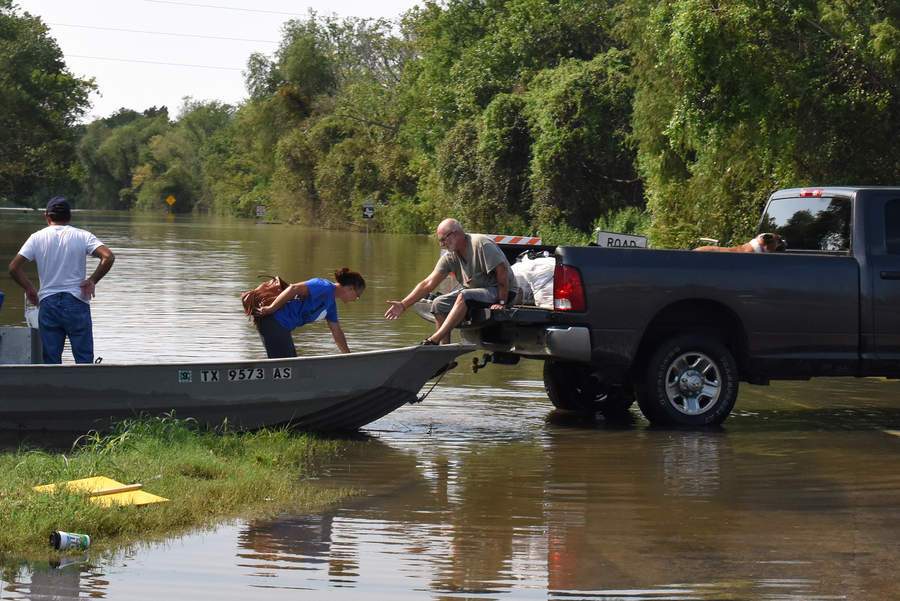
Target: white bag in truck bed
535 279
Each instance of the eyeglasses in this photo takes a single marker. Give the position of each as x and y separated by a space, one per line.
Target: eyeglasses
445 237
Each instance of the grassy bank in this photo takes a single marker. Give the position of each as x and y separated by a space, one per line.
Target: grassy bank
207 476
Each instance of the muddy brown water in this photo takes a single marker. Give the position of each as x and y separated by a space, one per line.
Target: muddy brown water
482 491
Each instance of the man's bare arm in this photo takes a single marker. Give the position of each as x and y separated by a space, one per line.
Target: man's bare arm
107 258
502 272
17 272
433 280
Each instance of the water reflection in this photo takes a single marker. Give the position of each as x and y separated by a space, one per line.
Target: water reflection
70 577
636 514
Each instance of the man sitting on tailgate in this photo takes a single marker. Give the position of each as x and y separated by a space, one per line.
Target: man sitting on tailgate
478 264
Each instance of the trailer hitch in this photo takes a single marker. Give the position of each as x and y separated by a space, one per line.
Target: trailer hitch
498 358
480 364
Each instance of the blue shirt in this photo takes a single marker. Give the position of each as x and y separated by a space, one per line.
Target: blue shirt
318 304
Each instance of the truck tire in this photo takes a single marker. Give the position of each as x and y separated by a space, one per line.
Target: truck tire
690 380
575 387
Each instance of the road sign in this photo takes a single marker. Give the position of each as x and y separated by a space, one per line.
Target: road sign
260 211
170 200
368 211
614 240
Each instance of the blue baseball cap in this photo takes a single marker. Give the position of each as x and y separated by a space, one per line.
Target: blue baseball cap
58 204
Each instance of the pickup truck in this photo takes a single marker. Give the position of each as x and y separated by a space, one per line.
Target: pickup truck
678 330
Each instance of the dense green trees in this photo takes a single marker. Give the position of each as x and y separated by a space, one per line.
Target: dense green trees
736 99
110 152
672 117
177 161
529 104
40 102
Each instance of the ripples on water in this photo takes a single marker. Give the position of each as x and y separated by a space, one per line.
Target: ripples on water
482 492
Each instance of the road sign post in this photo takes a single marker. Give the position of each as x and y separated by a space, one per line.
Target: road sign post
368 212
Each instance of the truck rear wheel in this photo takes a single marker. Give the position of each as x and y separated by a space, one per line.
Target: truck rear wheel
575 387
690 380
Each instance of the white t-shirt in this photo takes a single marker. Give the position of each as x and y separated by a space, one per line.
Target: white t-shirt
61 253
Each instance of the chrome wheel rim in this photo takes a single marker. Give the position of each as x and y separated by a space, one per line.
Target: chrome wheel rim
693 383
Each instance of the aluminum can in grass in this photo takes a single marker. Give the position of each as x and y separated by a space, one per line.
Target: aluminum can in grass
63 541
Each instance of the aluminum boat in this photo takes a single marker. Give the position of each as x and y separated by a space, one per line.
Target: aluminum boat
323 393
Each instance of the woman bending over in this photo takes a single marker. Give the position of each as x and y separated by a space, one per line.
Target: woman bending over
305 302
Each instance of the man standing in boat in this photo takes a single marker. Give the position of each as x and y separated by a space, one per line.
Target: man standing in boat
65 294
481 267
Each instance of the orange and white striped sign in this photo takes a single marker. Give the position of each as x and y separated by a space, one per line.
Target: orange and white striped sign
523 240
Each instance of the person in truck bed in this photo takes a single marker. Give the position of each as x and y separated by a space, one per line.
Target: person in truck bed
478 264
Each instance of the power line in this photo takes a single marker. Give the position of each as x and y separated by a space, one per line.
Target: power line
134 60
217 6
183 35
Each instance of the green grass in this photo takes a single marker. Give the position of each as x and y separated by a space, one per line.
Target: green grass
208 477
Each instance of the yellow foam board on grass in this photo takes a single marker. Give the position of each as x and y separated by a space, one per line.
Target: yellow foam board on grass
137 497
105 491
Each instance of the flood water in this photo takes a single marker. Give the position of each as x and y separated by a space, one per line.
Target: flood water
482 491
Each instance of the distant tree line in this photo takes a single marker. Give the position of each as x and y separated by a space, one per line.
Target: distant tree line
41 103
674 118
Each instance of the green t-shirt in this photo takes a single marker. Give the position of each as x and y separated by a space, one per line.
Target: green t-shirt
478 269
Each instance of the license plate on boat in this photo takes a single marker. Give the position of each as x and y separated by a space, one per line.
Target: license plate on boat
246 373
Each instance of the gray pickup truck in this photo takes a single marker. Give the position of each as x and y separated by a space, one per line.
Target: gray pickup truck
678 330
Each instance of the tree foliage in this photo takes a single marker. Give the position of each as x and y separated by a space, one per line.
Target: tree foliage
174 165
541 103
582 163
734 100
40 103
111 149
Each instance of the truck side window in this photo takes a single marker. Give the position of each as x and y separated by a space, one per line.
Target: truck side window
810 224
892 226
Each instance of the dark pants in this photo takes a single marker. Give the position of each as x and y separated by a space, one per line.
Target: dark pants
62 315
276 338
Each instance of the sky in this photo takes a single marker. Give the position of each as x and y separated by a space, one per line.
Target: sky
145 53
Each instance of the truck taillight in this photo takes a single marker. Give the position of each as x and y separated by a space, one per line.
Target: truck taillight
568 291
813 193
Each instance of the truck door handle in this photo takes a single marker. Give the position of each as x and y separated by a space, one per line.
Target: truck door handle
890 275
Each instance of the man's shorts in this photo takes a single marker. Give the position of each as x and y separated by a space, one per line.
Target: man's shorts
474 297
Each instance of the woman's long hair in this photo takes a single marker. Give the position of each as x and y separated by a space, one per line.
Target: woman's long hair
345 277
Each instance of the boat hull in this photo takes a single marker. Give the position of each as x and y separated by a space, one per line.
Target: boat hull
328 393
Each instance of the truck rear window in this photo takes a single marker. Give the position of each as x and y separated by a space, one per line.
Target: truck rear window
810 224
892 226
